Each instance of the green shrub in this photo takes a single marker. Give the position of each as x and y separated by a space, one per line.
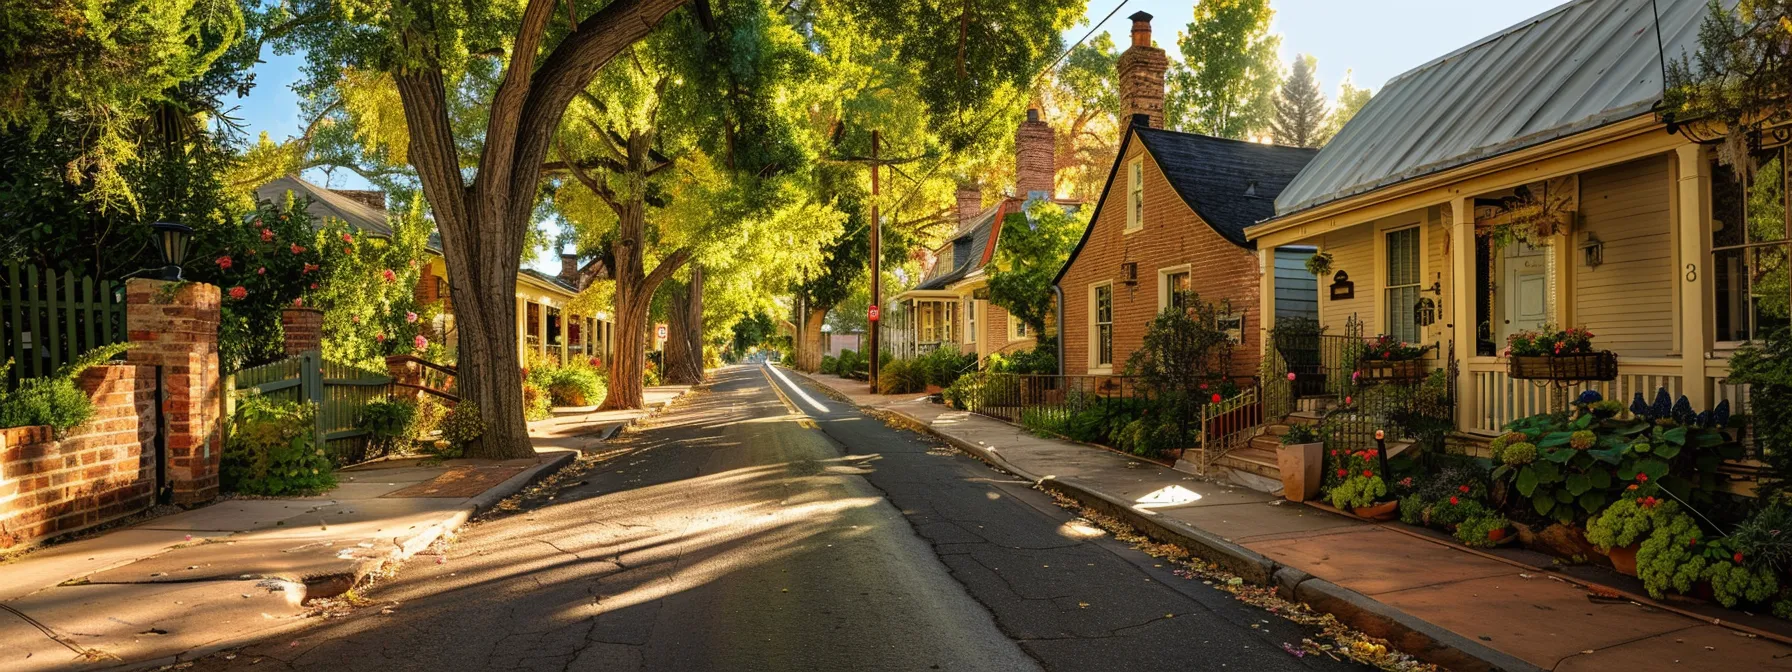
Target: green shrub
536 404
901 376
1765 537
1356 483
1043 422
1300 432
53 400
1628 521
272 450
460 426
829 364
1670 559
650 377
1478 531
391 424
943 366
1039 361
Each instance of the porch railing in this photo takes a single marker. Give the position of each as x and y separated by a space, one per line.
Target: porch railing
1227 426
1499 399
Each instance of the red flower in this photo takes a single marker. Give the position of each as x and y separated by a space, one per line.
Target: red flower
1464 489
1692 542
224 262
296 249
348 238
238 292
261 271
1342 473
1640 476
1454 501
314 285
298 302
1216 397
1334 453
389 276
348 250
1632 487
1368 474
1737 557
380 337
309 268
266 235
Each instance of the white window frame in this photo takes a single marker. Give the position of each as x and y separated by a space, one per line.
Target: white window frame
1387 288
1135 194
1095 325
970 321
1164 292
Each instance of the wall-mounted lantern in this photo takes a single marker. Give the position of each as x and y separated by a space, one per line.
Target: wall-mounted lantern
1592 250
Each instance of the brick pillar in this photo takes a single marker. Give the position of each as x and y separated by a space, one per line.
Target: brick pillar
1035 167
304 328
1141 68
175 326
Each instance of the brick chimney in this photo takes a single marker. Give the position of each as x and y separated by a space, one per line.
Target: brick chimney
569 269
1035 156
371 198
970 202
1141 69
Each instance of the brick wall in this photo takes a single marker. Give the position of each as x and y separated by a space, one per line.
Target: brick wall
1141 68
1172 235
98 472
1035 154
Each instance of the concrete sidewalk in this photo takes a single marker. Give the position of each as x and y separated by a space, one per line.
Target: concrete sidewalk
178 586
1443 602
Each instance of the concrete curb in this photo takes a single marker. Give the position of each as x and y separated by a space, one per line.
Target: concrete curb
1423 639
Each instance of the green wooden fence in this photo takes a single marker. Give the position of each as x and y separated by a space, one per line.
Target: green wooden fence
47 319
341 392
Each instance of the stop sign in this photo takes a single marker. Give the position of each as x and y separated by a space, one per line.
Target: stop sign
871 313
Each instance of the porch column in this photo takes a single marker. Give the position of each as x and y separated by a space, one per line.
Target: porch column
1266 301
1692 192
1462 304
522 329
541 329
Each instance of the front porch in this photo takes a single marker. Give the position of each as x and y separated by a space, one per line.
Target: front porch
548 329
923 321
1649 244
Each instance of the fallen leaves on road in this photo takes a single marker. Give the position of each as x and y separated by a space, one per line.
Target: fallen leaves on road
1335 640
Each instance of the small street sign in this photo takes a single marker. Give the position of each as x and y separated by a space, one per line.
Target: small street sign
871 313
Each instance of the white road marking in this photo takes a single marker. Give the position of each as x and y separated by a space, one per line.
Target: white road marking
798 390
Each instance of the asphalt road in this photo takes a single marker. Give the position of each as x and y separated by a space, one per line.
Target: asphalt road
736 535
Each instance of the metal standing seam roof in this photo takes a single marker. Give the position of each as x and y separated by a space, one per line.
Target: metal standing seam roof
1576 67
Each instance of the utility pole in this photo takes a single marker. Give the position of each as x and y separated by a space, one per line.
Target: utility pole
877 294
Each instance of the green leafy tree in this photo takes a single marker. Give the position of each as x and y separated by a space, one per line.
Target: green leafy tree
1226 83
1739 82
1082 102
1300 107
1350 100
1033 247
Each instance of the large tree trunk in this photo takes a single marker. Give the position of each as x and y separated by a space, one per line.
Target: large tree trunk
684 350
634 286
809 341
482 223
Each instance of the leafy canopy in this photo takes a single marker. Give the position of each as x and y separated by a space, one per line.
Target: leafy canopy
1033 247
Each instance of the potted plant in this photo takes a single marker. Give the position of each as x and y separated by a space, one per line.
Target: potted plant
1301 459
1360 490
1622 527
1387 359
1552 354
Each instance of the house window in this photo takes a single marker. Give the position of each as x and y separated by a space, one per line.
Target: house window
1175 288
1749 234
1135 194
1102 310
1403 284
1020 328
970 321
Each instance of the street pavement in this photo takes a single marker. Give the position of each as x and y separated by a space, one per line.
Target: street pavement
730 533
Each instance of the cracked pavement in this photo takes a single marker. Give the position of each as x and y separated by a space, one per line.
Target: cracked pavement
735 535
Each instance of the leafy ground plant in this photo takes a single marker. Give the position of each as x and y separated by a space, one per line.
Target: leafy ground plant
53 400
272 450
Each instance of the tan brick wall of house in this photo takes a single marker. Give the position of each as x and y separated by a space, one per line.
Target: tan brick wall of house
1172 235
99 472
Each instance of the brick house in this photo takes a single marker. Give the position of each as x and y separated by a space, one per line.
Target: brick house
544 324
950 306
1172 218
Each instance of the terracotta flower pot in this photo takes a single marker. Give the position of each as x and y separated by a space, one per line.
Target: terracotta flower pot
1301 465
1624 559
1381 511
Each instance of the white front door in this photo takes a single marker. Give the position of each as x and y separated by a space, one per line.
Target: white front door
1525 290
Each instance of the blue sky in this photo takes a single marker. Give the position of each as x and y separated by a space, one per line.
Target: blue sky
1374 39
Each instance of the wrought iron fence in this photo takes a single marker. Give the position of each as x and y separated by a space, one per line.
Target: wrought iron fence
1326 375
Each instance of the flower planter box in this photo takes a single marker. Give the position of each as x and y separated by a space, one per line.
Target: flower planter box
1391 371
1624 559
1602 365
1301 465
1382 511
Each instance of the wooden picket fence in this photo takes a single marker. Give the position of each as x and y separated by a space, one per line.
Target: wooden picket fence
48 319
340 391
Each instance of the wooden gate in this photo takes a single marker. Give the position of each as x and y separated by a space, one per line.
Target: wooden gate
47 320
340 391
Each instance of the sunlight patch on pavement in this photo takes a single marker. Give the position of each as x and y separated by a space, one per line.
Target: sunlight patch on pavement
1078 529
798 390
1174 495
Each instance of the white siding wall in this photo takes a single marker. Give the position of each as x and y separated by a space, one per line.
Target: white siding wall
1627 302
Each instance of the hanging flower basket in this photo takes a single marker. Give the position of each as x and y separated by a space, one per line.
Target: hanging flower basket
1391 371
1601 365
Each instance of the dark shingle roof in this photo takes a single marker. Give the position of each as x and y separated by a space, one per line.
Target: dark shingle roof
1230 184
967 250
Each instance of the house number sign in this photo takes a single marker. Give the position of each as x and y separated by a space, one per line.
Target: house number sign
1342 287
